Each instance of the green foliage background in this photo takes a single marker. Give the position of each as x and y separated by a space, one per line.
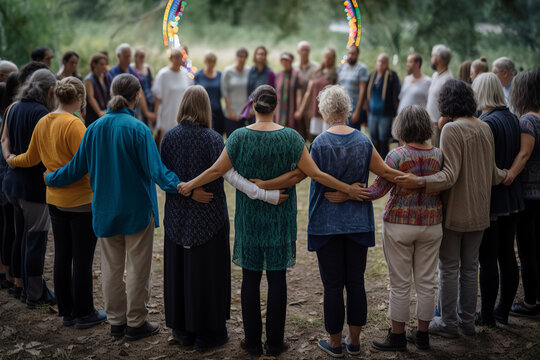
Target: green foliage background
395 27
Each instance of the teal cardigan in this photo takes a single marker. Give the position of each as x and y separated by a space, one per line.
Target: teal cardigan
120 156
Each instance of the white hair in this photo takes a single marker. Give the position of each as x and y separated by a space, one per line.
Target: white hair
443 53
303 43
488 91
123 47
505 63
7 66
334 103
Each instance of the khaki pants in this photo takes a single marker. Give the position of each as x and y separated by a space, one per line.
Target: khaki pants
411 249
125 302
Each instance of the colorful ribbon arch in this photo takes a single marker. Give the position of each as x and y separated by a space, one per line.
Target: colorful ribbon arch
355 24
171 20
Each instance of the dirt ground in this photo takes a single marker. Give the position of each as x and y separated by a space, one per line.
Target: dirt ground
39 333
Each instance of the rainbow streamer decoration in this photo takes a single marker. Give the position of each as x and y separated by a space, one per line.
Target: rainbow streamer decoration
355 24
171 22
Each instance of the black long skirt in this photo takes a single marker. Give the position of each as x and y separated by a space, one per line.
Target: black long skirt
198 285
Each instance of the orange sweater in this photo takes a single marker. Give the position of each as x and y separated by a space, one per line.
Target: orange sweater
55 141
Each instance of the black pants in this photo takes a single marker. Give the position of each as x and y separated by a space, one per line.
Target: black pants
231 125
17 254
342 263
218 121
7 233
528 240
275 309
74 246
498 246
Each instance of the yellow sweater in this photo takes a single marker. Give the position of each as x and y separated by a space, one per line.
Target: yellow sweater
54 142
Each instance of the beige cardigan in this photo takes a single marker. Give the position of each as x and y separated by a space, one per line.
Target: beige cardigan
469 172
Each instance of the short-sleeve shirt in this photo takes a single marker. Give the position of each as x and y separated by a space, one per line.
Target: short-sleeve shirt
414 93
265 234
212 87
350 78
234 86
530 177
169 87
346 157
437 82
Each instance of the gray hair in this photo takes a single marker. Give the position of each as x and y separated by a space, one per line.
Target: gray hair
123 47
443 53
384 56
302 44
7 66
412 124
505 63
37 88
124 90
488 91
334 103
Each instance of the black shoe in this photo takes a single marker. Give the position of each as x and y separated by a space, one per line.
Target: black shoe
519 309
419 338
500 318
204 344
253 350
479 320
15 292
118 331
276 350
45 300
184 339
392 342
6 284
145 330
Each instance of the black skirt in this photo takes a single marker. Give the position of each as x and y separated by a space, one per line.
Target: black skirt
198 285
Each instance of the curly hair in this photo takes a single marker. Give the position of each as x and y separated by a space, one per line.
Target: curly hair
412 124
456 99
334 103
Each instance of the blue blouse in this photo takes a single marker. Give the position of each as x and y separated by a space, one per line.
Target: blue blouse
212 87
345 157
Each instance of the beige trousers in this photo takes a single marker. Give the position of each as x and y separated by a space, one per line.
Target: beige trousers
411 249
125 301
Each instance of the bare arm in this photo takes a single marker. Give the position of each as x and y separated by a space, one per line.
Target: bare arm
91 99
308 167
157 103
356 115
525 152
217 170
144 107
305 99
283 181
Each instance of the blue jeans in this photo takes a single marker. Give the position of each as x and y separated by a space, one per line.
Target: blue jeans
380 132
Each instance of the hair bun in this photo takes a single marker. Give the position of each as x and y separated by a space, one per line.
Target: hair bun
264 99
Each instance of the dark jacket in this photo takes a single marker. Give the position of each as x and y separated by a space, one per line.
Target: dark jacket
390 93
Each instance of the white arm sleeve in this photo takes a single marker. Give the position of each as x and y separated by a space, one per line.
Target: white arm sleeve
250 189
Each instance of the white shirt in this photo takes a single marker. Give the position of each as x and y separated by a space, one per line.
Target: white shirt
414 93
437 82
169 87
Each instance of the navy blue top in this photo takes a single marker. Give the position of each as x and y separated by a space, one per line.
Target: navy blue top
24 183
212 86
506 135
256 78
120 155
189 150
345 157
115 71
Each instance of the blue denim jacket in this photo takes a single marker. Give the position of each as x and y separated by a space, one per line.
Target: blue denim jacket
347 158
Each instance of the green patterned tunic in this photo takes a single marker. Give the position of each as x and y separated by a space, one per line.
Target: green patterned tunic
265 234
